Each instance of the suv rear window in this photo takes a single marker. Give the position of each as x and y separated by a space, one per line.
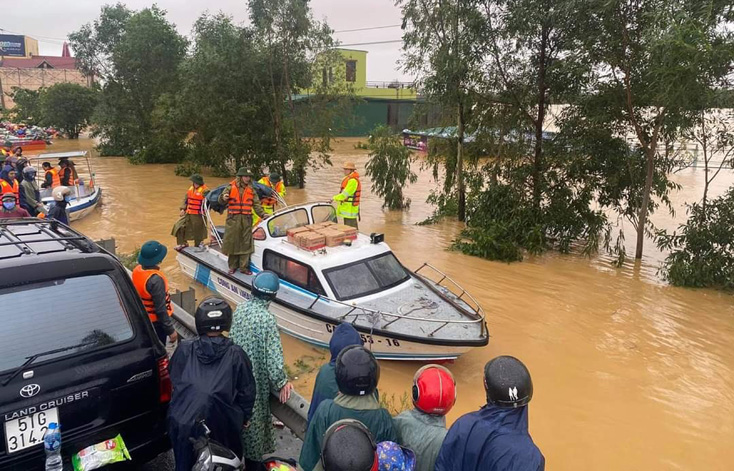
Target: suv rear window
52 315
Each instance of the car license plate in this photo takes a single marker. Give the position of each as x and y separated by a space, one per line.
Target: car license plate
28 431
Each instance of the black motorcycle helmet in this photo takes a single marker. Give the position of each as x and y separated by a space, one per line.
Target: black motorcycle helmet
507 382
213 315
348 446
357 371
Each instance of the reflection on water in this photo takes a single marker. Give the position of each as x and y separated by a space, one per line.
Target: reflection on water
629 373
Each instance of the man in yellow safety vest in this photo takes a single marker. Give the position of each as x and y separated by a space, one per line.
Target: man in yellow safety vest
348 199
275 182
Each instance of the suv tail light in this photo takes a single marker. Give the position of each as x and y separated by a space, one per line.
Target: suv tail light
164 380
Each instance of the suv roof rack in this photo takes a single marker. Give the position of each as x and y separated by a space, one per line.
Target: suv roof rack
31 236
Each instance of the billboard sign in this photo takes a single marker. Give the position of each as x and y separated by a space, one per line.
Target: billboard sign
12 45
415 141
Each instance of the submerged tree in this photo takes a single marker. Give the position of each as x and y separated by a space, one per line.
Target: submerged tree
136 55
389 168
654 65
68 107
439 43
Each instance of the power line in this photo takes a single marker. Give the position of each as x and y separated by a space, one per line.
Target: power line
44 39
371 43
367 29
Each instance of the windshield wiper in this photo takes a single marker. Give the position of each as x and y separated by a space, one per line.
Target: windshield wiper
34 357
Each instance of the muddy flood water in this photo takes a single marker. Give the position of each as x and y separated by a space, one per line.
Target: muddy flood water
629 373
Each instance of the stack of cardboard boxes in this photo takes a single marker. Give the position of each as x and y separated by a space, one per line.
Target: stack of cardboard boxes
324 234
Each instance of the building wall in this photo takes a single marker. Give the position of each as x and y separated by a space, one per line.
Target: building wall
370 113
31 47
33 79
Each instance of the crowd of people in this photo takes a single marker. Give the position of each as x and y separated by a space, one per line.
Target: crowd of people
227 374
21 194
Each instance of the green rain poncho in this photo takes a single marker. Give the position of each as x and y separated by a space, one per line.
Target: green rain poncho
255 330
422 433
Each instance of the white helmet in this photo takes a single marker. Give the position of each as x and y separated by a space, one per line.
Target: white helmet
60 192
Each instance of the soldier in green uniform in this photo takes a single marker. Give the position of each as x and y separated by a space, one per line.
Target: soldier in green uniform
241 200
191 226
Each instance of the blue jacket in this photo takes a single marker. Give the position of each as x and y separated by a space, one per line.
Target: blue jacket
491 439
325 386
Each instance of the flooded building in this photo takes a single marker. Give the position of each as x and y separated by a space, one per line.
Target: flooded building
390 103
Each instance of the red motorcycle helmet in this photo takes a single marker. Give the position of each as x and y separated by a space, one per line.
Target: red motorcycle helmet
434 390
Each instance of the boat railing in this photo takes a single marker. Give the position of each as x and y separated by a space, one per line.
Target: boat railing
373 315
446 282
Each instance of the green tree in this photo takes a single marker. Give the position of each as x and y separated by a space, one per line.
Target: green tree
389 168
27 106
439 43
291 42
68 107
137 57
654 65
702 252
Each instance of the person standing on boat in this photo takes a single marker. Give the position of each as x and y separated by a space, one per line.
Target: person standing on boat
351 193
325 386
191 226
275 183
357 375
66 175
255 330
10 210
152 286
242 201
423 428
496 437
51 176
30 195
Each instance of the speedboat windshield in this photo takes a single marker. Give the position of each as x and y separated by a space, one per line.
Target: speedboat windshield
366 276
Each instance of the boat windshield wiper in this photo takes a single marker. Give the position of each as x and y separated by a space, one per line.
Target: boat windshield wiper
34 357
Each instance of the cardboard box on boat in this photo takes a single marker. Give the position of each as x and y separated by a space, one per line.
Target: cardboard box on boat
334 238
310 240
349 232
293 233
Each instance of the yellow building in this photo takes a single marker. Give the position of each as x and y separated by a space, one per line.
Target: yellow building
388 103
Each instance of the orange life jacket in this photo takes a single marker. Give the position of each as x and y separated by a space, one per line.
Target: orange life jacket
354 199
240 204
55 180
140 279
5 187
68 174
194 199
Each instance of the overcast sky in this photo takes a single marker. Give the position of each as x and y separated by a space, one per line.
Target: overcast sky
50 21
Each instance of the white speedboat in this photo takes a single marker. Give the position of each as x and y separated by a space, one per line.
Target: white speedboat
400 314
85 194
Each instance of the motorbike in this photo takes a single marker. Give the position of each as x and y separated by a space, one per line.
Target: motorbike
211 456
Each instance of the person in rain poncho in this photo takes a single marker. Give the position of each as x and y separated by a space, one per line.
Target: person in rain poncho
423 428
212 381
191 226
325 386
357 375
255 330
495 438
30 194
242 201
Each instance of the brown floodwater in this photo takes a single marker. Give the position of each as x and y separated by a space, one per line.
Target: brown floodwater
629 373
